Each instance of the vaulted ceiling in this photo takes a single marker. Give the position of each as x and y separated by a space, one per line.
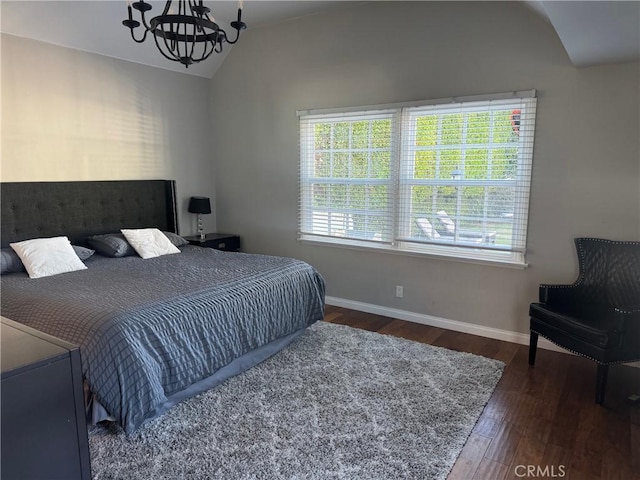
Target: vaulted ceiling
592 32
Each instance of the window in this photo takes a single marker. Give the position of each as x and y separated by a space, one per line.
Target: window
448 177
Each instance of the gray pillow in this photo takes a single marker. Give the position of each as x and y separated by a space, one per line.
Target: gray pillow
111 245
83 252
115 245
10 261
176 239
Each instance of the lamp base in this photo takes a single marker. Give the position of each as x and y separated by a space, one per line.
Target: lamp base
200 229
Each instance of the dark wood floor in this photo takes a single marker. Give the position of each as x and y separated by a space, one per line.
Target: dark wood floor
544 416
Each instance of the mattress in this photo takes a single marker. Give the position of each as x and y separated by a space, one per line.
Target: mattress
148 329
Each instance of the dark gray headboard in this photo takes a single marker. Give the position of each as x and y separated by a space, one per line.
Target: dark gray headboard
79 209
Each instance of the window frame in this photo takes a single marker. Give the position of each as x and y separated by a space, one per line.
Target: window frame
400 181
307 180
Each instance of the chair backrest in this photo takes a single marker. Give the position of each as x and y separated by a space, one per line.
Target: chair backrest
425 226
609 271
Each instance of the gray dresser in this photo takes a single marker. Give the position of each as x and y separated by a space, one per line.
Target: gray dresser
44 432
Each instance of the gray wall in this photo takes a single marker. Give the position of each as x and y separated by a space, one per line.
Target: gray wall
71 115
586 169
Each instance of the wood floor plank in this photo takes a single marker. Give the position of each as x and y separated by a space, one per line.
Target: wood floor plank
573 474
490 470
519 411
528 452
505 443
332 316
412 331
616 465
487 427
565 428
369 321
635 448
586 454
475 448
618 435
461 342
506 351
539 428
464 469
557 457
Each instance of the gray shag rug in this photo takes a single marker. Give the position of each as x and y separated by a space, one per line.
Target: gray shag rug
339 403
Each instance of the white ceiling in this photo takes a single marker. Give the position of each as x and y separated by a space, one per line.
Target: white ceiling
592 32
96 26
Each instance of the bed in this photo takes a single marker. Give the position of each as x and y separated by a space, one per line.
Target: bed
151 332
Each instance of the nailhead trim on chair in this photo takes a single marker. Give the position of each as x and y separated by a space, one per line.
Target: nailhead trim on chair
618 309
577 283
583 355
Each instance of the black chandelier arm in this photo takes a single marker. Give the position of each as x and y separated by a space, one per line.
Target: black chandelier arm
221 36
200 10
132 24
142 8
238 25
231 42
144 36
167 7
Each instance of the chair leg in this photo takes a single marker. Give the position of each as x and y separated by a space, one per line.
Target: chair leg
533 346
601 382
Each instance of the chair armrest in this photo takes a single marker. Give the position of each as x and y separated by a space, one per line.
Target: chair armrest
558 294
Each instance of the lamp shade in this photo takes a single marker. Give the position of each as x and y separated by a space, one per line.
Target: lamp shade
199 205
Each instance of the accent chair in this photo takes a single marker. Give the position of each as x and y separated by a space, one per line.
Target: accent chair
598 316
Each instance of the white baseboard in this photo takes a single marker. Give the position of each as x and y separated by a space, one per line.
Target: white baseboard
433 321
455 325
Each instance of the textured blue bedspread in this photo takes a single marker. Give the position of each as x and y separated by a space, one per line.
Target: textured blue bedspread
150 328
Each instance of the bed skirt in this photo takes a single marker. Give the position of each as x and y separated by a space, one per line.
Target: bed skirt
97 413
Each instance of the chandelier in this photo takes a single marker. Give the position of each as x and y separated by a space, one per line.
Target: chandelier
188 35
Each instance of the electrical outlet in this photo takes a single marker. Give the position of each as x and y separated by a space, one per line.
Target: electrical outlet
399 291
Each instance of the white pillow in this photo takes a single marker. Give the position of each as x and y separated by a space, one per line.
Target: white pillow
43 257
149 242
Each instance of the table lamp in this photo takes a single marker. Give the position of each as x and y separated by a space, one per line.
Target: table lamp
200 205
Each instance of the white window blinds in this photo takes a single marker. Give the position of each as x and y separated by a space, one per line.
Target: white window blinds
448 177
347 181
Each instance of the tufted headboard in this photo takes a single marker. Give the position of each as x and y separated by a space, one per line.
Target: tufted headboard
79 209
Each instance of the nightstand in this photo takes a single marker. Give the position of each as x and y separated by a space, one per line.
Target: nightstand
219 241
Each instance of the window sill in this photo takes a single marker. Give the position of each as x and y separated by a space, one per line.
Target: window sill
432 251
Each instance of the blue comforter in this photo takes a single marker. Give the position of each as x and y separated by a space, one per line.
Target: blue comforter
150 328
